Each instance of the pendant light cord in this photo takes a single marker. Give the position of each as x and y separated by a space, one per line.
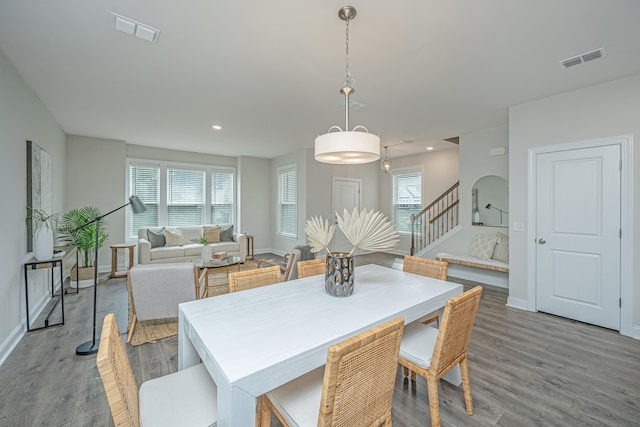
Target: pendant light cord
348 81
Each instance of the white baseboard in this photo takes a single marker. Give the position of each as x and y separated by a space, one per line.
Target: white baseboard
519 303
636 332
12 340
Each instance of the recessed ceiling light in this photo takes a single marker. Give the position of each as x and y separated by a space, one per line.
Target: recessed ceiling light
430 148
216 127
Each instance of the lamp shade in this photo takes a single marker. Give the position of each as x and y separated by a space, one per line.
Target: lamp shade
347 147
137 206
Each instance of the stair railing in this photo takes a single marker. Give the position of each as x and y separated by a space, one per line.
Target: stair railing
436 219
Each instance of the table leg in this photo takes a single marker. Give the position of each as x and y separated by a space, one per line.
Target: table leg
187 354
236 402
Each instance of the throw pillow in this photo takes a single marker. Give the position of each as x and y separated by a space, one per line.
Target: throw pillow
501 251
156 237
226 234
212 234
173 237
482 246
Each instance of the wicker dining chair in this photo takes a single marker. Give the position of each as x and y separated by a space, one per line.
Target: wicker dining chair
432 353
289 264
425 267
354 388
312 267
186 397
202 285
428 268
249 279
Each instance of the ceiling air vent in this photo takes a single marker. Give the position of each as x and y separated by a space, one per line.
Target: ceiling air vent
135 28
583 57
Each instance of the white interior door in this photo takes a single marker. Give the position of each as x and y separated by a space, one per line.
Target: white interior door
346 195
578 234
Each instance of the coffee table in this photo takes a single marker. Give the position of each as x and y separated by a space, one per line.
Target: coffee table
223 260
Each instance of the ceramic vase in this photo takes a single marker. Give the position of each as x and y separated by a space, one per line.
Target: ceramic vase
339 275
43 243
207 252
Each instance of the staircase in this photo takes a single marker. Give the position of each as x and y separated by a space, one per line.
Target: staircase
436 220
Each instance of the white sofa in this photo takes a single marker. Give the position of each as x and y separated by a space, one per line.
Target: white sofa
190 251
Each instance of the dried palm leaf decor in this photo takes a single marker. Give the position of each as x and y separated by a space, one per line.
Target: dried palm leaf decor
365 230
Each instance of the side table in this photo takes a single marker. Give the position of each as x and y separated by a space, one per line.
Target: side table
249 246
114 260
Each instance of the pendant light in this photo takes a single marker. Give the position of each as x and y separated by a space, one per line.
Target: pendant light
385 165
347 146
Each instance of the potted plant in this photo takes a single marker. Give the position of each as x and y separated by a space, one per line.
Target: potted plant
207 251
84 239
43 225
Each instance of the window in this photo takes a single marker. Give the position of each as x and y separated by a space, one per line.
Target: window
185 197
178 195
144 181
221 197
407 198
288 211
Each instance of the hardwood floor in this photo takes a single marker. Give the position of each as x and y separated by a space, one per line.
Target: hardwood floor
526 369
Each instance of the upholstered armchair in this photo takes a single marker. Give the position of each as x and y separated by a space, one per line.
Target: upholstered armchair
155 290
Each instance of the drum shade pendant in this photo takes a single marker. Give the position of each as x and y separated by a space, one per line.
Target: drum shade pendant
346 146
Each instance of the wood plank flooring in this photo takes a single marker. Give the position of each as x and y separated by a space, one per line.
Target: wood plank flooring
526 369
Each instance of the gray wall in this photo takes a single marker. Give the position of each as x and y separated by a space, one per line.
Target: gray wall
22 117
96 173
475 162
254 200
600 111
440 170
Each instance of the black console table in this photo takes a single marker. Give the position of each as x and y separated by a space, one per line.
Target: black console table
56 261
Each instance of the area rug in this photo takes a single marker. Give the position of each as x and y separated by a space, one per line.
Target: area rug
154 330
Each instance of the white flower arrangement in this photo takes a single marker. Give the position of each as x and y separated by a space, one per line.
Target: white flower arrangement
366 230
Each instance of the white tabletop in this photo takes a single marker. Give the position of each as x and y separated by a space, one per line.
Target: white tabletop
253 341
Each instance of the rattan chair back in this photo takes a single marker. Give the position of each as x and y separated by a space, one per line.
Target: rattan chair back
455 331
249 279
117 376
425 267
312 267
360 376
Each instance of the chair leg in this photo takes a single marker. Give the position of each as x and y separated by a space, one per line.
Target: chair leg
413 376
406 371
264 412
434 405
134 322
466 385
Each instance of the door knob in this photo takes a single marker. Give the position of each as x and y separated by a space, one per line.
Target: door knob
542 241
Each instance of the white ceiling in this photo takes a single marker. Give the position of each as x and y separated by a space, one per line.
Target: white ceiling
270 71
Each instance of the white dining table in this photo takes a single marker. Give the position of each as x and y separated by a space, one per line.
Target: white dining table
256 340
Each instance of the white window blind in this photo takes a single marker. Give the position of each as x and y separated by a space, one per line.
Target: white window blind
288 212
144 182
407 198
185 197
221 197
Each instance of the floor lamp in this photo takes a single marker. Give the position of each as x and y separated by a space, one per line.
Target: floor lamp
490 206
91 347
